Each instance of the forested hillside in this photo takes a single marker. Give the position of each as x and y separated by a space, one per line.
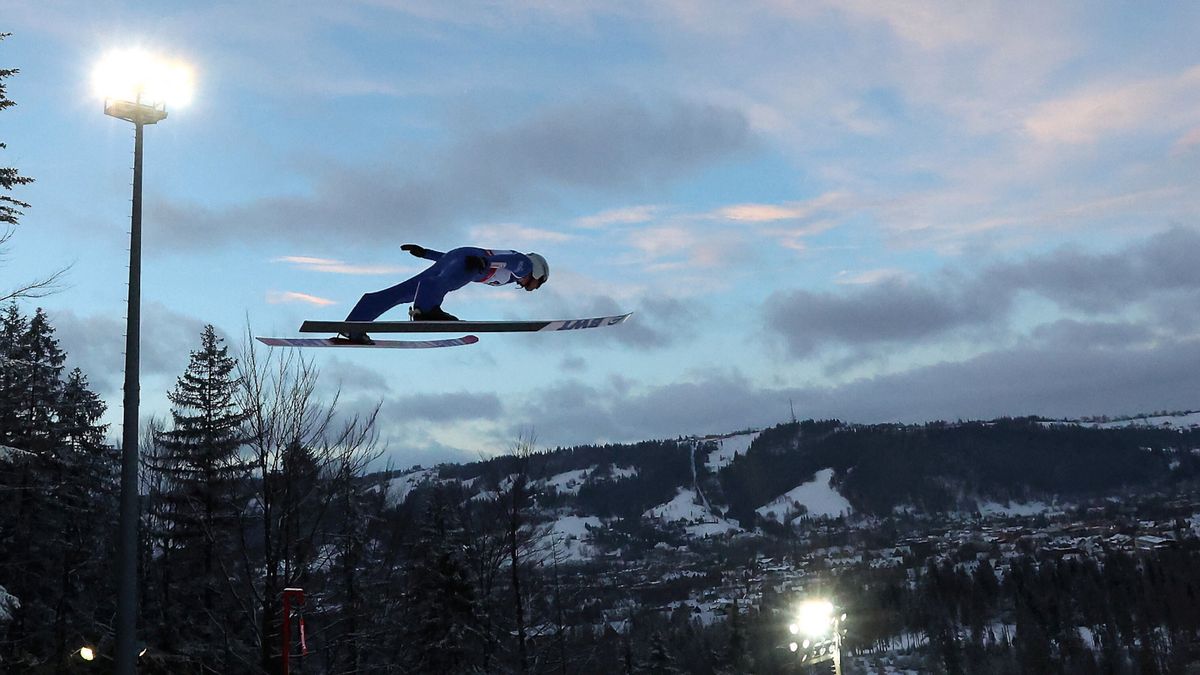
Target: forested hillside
942 466
642 557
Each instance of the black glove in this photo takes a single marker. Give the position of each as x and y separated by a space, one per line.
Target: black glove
476 263
414 249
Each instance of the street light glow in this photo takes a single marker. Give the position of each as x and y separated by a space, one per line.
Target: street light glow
135 75
814 618
87 654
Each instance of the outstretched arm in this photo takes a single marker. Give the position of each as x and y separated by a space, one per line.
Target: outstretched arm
422 252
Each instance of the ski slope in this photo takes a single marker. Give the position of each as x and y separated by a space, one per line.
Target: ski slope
820 499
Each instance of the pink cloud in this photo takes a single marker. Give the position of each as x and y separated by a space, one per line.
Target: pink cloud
284 297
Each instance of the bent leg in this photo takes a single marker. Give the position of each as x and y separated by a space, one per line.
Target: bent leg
450 273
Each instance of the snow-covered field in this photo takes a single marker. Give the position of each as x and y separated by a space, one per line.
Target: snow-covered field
683 507
1033 508
8 603
727 449
569 536
398 488
1187 420
569 482
697 520
819 498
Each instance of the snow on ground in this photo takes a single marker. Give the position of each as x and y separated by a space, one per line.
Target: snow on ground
569 536
713 526
8 603
698 521
569 482
619 473
8 453
727 449
682 507
1033 508
398 488
817 495
1187 420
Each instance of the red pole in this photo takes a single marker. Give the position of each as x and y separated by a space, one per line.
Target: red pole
286 637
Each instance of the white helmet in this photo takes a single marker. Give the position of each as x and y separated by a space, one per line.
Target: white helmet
541 269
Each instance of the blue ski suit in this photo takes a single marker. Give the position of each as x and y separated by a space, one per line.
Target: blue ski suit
450 271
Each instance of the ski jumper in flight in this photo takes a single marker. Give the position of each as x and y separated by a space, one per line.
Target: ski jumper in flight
450 271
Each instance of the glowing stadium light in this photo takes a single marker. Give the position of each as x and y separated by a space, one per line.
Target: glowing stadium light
136 76
814 618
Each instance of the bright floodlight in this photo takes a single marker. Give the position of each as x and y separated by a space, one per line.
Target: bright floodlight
87 654
815 618
135 76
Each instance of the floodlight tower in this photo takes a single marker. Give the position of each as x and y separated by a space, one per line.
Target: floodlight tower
136 88
818 632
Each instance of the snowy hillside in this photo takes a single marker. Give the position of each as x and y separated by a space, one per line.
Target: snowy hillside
1188 420
568 538
1180 420
814 499
727 448
397 489
686 508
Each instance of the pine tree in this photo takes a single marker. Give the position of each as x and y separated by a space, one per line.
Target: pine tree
204 472
54 482
661 662
85 492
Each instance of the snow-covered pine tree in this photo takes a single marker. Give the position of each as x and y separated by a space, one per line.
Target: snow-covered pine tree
202 465
55 480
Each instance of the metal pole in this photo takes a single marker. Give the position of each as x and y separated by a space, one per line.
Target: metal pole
290 595
286 634
127 601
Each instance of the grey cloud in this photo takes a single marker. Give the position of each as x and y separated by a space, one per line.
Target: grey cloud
617 143
657 322
96 344
575 412
340 374
1094 334
1099 282
442 407
891 311
896 313
1053 376
1059 380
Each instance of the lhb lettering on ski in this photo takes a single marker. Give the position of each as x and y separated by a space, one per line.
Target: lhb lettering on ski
589 323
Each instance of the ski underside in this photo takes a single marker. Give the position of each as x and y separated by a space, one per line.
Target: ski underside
377 344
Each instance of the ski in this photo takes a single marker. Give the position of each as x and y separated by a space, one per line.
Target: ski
378 344
456 326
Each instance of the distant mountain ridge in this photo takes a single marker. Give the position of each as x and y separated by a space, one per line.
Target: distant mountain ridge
777 477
